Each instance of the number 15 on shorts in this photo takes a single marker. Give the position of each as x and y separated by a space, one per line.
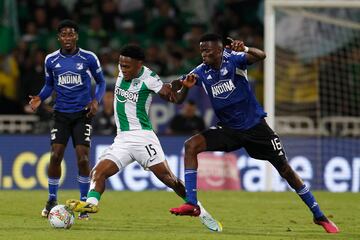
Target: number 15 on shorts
151 150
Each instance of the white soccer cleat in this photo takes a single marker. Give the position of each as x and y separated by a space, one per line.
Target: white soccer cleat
44 213
209 222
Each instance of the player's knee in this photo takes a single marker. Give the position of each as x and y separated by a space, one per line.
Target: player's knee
193 146
83 162
56 157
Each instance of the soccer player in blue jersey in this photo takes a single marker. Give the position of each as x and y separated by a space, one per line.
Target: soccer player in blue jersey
68 72
223 76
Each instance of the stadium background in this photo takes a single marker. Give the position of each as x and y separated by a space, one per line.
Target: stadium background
169 31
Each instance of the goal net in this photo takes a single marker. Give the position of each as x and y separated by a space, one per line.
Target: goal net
312 87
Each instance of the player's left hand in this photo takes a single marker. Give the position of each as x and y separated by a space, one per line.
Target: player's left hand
92 107
190 80
236 45
34 102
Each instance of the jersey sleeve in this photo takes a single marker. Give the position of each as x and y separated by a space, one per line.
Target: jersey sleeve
198 72
154 83
239 58
49 82
96 71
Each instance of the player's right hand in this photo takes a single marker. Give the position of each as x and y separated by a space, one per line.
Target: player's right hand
189 80
34 102
235 45
92 108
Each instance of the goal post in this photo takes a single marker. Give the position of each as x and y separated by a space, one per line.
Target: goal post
312 77
269 39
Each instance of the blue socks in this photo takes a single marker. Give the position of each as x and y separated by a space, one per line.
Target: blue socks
53 184
310 201
190 186
84 185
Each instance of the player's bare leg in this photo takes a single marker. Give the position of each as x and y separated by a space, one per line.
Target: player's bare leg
298 185
165 175
54 173
102 171
82 155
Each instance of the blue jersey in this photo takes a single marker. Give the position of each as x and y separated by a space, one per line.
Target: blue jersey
229 91
70 77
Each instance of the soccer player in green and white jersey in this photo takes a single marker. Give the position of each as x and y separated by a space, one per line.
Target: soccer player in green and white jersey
136 140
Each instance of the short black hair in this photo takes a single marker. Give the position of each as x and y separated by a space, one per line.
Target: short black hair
210 37
67 23
133 51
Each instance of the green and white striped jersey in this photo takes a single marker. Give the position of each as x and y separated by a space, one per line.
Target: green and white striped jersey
132 100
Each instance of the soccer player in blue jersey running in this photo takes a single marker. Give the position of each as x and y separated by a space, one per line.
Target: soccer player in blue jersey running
223 76
67 72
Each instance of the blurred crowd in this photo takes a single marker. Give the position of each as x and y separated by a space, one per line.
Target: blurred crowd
168 30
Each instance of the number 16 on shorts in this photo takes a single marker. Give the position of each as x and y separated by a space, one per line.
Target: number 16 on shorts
277 146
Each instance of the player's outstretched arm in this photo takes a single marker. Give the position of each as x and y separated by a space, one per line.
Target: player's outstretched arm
253 55
177 90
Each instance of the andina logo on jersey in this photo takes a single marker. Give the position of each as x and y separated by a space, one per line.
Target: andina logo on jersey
223 89
70 80
125 94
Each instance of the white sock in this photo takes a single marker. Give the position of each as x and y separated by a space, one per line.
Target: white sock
92 200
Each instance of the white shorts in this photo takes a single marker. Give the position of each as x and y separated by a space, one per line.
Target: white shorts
141 146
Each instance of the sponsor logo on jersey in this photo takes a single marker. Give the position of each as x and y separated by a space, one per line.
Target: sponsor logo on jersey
70 80
223 89
124 95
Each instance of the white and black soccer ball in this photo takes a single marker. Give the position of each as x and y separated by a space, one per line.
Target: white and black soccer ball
61 216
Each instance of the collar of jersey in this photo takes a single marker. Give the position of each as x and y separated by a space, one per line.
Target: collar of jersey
140 73
69 55
209 68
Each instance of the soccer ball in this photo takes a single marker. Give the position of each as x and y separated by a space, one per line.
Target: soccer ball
61 216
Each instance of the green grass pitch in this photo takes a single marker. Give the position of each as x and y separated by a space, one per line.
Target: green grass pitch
144 215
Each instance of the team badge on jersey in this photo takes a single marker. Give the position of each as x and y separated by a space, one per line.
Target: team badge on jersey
70 80
223 89
224 71
136 83
79 66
